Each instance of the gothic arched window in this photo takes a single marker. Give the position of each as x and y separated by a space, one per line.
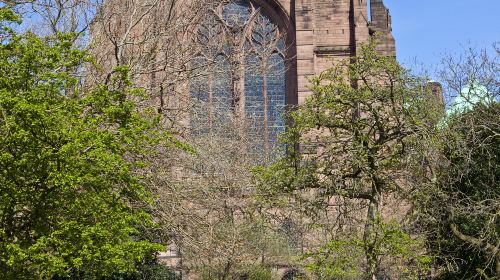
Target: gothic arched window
242 71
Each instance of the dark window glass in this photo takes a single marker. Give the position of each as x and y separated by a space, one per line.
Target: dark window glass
241 71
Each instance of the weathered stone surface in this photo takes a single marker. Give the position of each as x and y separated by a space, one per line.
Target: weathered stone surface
321 31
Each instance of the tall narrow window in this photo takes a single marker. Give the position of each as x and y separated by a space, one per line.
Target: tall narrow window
242 72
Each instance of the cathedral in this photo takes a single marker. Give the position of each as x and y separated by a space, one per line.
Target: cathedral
251 57
207 61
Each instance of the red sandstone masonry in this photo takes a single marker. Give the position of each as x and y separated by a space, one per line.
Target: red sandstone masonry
329 30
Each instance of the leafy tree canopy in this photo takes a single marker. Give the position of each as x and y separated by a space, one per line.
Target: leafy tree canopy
462 211
356 138
70 162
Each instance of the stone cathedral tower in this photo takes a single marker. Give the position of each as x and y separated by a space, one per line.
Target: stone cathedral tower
329 29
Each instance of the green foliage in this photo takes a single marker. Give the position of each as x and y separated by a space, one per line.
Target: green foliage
70 161
154 272
353 138
466 196
362 115
400 255
150 270
338 259
251 272
7 16
259 273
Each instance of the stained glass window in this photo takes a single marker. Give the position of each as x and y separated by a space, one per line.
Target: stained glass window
244 66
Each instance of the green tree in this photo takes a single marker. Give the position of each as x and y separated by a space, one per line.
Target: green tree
460 210
353 139
71 190
466 202
340 258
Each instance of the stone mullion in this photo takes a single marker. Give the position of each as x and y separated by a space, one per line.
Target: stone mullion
242 74
265 105
210 99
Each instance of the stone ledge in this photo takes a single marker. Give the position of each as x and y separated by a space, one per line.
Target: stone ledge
332 50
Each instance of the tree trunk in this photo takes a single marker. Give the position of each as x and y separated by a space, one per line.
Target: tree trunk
489 249
498 267
370 233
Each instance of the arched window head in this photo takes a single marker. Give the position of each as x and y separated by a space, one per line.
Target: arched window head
241 74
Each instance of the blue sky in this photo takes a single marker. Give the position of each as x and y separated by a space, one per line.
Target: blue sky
427 29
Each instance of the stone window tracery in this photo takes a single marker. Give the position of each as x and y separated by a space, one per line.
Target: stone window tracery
242 67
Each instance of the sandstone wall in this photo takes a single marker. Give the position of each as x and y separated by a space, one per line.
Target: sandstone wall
328 30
